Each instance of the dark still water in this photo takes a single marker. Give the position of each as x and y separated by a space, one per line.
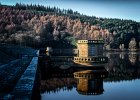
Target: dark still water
122 82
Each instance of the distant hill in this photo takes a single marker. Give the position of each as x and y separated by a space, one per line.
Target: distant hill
40 26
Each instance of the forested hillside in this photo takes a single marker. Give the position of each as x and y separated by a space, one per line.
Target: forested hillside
39 26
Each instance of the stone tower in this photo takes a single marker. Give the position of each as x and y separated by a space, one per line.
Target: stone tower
89 48
90 52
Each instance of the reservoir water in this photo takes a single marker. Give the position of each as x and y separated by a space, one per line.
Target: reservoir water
122 82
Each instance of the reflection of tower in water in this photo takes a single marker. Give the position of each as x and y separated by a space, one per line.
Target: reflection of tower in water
90 82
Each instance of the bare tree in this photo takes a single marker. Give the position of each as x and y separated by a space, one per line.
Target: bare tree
132 44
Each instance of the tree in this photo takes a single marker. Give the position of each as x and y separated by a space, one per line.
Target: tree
132 44
121 46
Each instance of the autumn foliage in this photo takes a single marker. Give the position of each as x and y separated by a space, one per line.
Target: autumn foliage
39 26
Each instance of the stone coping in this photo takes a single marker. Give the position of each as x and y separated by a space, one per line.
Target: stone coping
89 74
91 59
91 93
91 41
24 87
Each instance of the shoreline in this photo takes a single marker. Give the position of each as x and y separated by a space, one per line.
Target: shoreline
124 50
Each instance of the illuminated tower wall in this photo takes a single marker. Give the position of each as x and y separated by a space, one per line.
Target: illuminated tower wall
89 48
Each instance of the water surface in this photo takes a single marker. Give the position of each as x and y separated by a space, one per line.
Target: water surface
122 83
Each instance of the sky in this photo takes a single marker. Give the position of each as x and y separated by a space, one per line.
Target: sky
123 9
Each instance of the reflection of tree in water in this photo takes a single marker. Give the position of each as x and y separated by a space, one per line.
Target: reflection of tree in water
132 58
120 67
122 55
114 59
59 79
57 84
124 67
56 79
